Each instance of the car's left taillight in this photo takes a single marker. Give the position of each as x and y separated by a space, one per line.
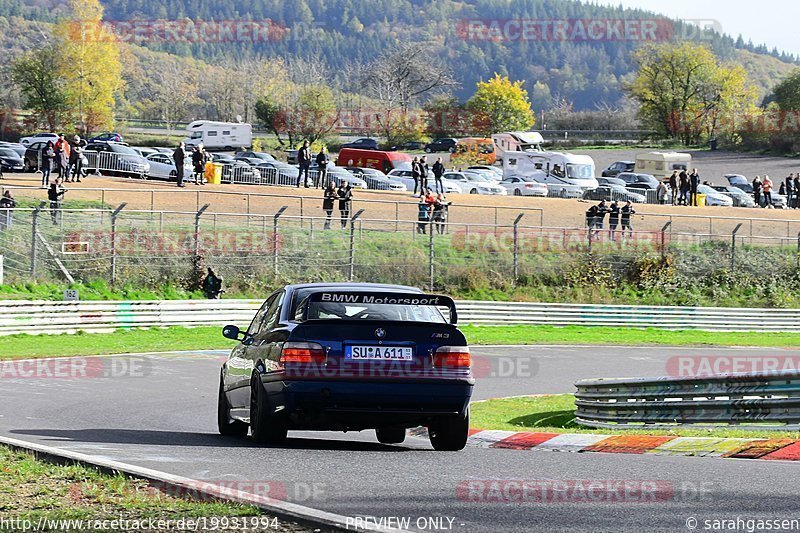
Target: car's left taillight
302 353
452 357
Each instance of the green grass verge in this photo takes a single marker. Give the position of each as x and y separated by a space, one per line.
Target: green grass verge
206 338
35 490
555 414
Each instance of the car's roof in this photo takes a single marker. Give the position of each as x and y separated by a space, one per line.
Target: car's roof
359 286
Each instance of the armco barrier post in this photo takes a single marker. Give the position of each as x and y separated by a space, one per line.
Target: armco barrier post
197 216
733 245
431 256
351 269
275 239
114 214
516 247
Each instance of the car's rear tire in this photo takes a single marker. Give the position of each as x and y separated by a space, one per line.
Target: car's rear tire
265 427
450 434
517 192
390 435
474 191
235 428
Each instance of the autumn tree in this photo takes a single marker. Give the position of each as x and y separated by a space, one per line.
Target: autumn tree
36 75
685 93
89 63
787 92
500 105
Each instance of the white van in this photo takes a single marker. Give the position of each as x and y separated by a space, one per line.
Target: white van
219 135
661 164
516 141
558 167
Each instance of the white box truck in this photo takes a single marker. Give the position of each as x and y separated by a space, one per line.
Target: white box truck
219 135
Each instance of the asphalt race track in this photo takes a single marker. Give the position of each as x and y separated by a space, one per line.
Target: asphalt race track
158 411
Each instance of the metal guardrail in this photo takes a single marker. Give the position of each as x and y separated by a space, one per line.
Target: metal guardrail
18 316
759 401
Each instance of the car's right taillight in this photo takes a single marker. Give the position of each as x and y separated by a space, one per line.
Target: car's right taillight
302 353
452 357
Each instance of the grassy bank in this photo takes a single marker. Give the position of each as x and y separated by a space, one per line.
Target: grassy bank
206 338
556 414
43 493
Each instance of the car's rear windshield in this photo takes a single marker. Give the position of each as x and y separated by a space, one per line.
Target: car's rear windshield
363 311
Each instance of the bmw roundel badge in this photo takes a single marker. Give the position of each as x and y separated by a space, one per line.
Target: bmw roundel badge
380 333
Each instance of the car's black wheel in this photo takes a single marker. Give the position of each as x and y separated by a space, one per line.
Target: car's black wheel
173 176
428 150
390 435
450 434
474 191
517 192
226 426
451 150
265 427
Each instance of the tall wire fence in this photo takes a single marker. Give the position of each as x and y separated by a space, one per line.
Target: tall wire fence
148 248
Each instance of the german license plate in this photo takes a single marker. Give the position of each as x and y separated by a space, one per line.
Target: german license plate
382 353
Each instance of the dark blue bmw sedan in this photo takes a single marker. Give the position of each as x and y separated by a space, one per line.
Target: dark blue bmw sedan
349 357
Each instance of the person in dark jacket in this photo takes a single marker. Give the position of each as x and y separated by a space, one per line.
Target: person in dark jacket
415 174
7 205
48 155
424 169
790 192
673 186
212 285
179 157
322 169
602 210
694 181
440 208
757 190
345 194
54 195
328 198
797 190
626 212
199 159
683 183
613 219
438 171
591 216
304 160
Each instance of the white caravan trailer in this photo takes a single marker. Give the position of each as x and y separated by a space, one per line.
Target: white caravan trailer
219 135
558 167
516 141
661 164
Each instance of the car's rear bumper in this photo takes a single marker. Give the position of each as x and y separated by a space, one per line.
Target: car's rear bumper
364 404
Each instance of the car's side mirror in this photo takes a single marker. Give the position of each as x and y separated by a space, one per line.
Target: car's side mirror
232 332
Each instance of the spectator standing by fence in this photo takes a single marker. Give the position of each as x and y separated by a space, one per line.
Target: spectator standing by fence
757 190
423 175
438 171
790 190
766 188
694 181
48 155
626 212
673 186
423 214
7 205
78 146
62 149
415 174
796 190
328 198
613 219
591 216
199 163
345 195
179 157
683 179
661 193
440 208
322 168
55 194
304 161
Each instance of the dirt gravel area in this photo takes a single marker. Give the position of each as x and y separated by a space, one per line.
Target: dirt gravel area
466 209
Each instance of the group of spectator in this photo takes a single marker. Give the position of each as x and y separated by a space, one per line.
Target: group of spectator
344 195
421 173
200 157
790 188
596 214
682 188
432 210
65 157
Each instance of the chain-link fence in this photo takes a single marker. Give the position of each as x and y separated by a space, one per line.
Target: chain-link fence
151 248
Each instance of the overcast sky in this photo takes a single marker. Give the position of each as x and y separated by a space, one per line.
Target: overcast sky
772 22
